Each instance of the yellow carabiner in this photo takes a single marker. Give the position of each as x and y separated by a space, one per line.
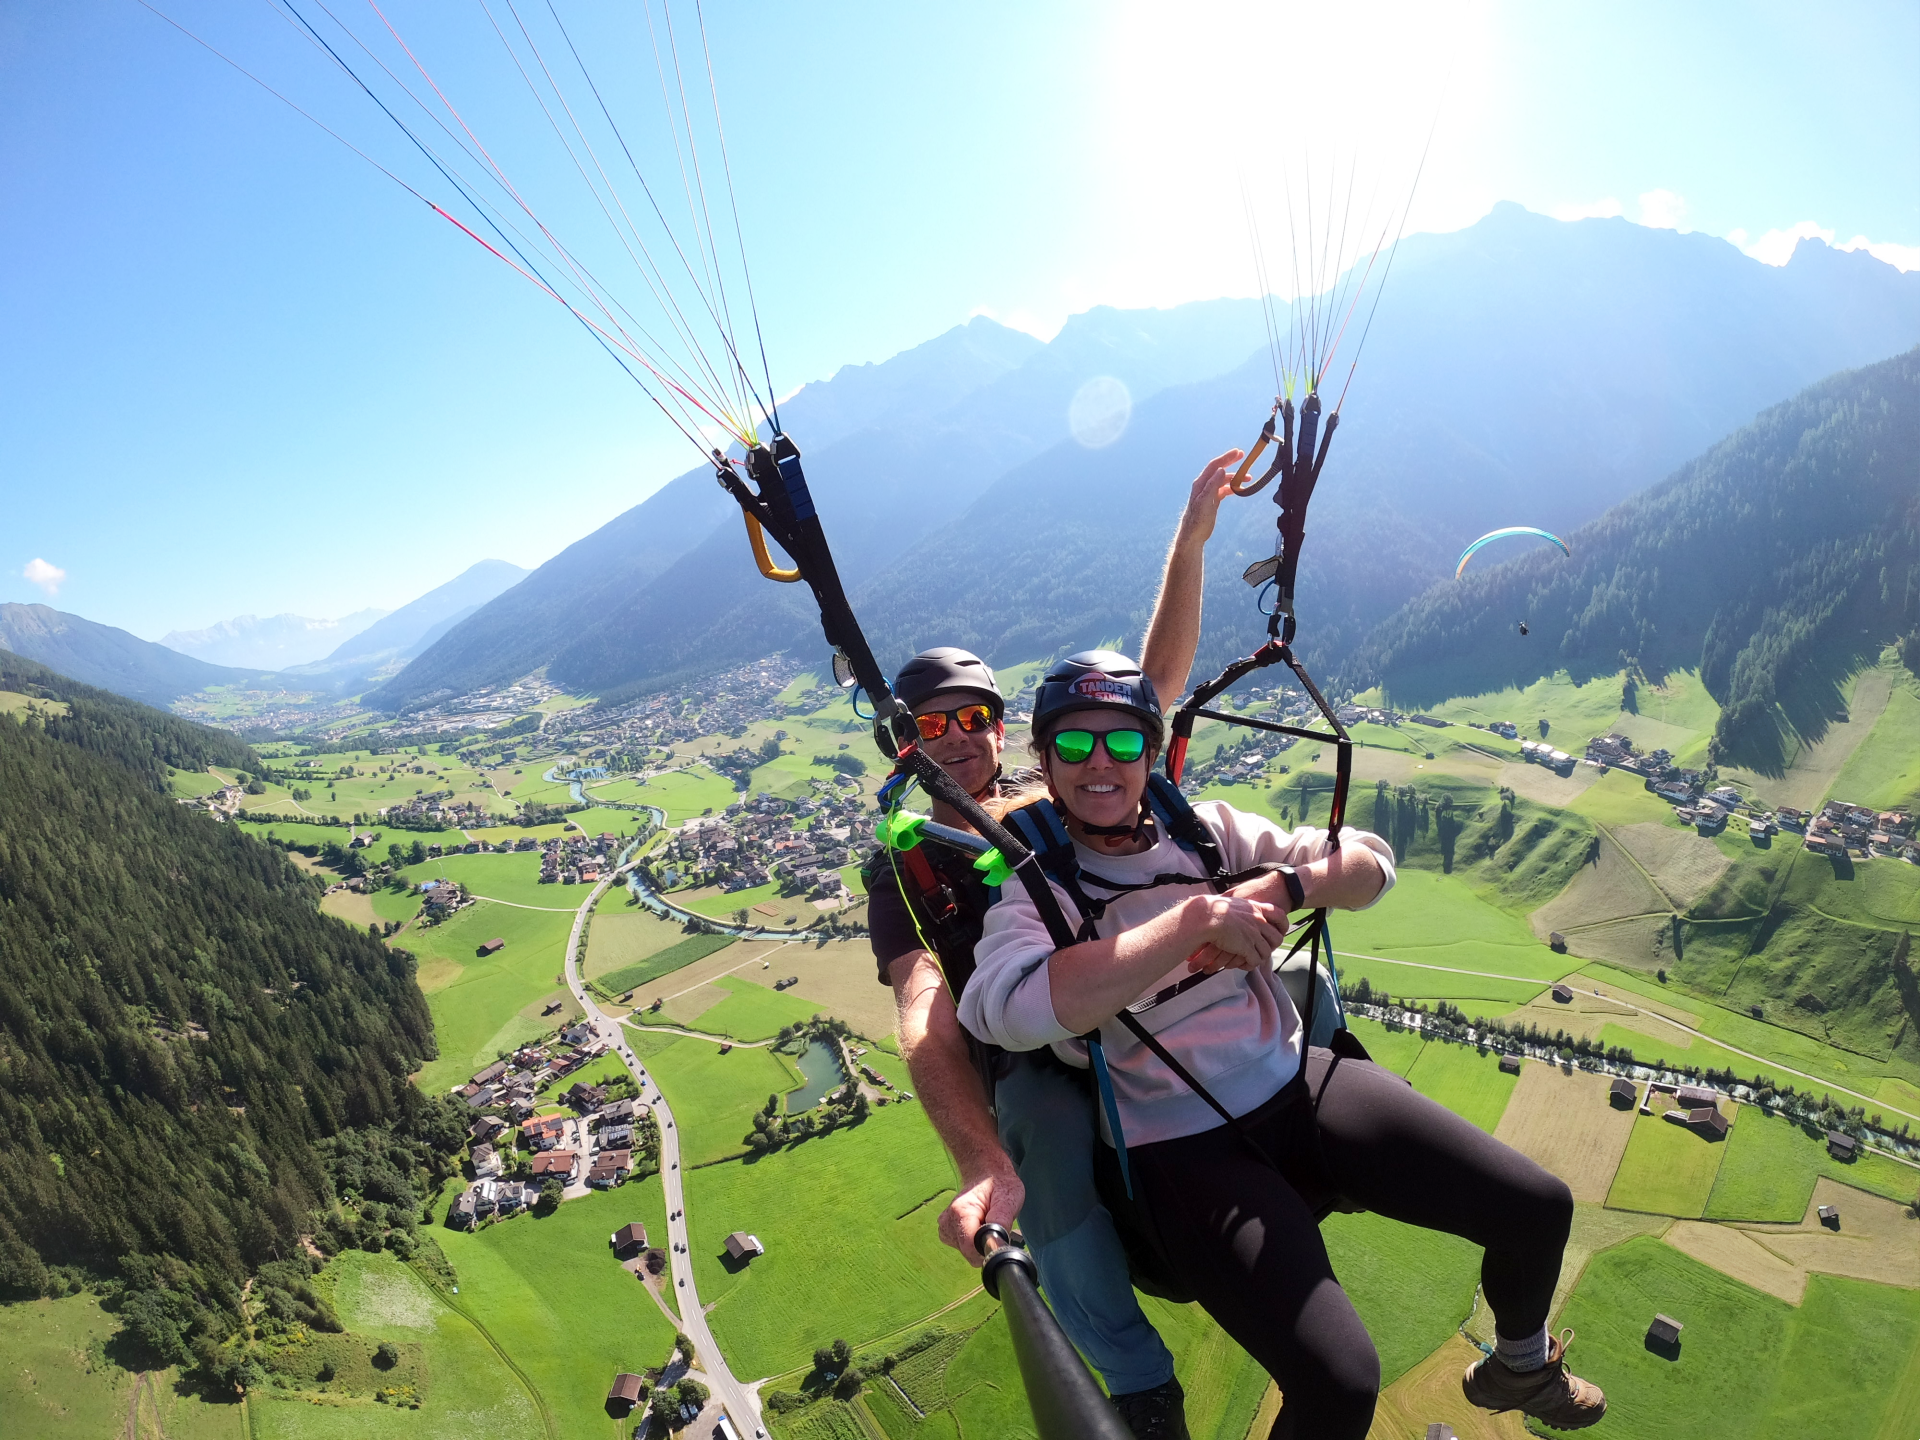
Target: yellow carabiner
1239 481
762 558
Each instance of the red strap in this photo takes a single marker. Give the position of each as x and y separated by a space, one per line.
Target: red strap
932 893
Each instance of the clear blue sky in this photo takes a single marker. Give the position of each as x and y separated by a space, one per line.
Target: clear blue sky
243 372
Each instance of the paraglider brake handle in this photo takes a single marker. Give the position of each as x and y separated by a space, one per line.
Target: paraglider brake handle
1239 483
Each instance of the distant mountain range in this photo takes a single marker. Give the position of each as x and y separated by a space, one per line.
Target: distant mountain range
273 642
1776 563
144 670
108 657
1522 371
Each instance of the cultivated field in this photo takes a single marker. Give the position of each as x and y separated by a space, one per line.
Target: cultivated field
1877 1238
676 956
1751 1367
1736 1253
552 1295
468 1390
1768 1171
1565 1122
1430 1392
1667 1169
1685 861
625 934
1612 887
684 794
1467 1081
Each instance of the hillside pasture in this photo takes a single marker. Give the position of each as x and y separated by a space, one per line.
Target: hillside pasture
1750 1366
63 1377
551 1294
1884 769
1439 920
468 1389
1467 1081
1620 797
1564 1121
797 1201
1611 888
1684 862
1667 1168
486 1004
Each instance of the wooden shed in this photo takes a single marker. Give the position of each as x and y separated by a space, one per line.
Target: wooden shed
1830 1216
1510 1064
1563 993
1623 1092
1665 1330
1842 1146
630 1237
627 1390
492 946
742 1246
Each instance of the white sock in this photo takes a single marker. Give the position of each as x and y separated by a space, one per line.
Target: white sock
1520 1356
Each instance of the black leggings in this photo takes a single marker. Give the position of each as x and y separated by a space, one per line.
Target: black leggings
1246 1240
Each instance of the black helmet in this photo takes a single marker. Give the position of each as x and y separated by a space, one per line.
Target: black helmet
946 667
1094 678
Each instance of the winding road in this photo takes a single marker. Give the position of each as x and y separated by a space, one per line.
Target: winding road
740 1401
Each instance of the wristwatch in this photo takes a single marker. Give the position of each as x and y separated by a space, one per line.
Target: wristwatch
1296 892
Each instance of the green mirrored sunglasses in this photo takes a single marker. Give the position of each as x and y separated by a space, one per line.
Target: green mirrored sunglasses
1076 746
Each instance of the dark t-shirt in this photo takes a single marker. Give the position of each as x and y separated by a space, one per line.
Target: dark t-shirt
890 923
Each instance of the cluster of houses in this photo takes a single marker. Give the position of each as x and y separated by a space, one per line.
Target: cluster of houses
757 840
1538 752
437 810
1505 729
1840 827
577 859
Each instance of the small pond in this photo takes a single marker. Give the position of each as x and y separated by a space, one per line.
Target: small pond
821 1065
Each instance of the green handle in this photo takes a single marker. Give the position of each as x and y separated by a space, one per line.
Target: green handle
993 868
899 829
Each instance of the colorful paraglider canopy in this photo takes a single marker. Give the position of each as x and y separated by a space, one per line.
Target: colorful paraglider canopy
1467 554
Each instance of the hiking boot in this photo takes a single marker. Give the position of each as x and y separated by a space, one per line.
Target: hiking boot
1552 1394
1156 1414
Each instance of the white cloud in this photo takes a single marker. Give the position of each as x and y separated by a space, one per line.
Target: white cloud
1901 257
1606 209
1776 247
1662 210
48 577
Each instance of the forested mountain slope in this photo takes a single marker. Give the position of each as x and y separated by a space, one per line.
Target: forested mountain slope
1776 563
109 657
1521 371
186 1045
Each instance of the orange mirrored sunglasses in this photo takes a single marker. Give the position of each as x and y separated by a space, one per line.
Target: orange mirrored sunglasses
971 718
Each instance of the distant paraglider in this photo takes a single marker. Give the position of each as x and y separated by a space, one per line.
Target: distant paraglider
1523 627
1467 554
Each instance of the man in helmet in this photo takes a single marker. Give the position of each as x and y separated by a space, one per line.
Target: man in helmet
1033 1159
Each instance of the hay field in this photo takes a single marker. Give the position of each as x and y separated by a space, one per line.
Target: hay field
1612 887
1430 1392
714 1096
1543 786
1878 1239
1564 1122
748 956
1683 861
839 977
1885 769
1734 1252
1667 1169
624 935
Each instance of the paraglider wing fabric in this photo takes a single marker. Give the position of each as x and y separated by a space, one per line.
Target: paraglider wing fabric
1468 553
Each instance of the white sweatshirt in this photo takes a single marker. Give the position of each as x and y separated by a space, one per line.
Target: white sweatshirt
1237 1033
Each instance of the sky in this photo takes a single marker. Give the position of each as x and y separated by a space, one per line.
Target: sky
243 371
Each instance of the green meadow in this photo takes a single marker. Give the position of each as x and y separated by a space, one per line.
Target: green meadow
752 1011
553 1297
684 794
1667 1169
484 1005
714 1096
1412 1287
1467 1081
62 1378
1771 1164
1438 920
297 833
514 878
468 1390
848 1222
1844 1362
635 929
1884 770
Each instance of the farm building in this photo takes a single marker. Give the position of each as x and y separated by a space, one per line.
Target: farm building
1563 993
1693 1096
1665 1330
1557 941
1623 1093
627 1390
629 1237
494 1071
1704 1120
1510 1064
492 946
1842 1146
1440 1430
1830 1216
741 1245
